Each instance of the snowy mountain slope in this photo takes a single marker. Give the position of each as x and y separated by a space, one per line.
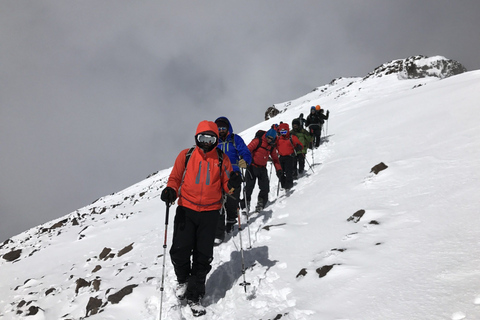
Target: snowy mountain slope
413 254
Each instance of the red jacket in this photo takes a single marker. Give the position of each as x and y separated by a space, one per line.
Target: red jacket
286 143
204 180
260 154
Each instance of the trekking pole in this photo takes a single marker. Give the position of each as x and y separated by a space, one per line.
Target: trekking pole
271 166
309 164
244 284
313 158
164 254
248 209
278 187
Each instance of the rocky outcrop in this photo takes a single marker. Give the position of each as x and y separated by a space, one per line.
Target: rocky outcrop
416 67
271 112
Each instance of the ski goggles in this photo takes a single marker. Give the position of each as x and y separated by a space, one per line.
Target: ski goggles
222 128
206 138
283 132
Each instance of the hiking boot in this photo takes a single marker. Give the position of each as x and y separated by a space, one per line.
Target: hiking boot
197 308
229 226
260 205
180 290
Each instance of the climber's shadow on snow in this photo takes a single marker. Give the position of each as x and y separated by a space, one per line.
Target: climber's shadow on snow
229 274
264 215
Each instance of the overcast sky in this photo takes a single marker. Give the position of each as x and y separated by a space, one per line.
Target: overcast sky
97 95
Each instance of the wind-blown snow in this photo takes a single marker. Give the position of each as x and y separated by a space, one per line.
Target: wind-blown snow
414 254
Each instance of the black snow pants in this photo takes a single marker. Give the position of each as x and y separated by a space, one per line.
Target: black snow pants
192 248
288 167
254 173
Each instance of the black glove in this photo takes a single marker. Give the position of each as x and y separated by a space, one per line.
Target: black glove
298 148
235 180
279 173
168 195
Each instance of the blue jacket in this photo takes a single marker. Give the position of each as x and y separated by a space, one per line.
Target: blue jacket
235 148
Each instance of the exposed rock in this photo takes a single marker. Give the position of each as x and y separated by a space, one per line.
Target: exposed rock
273 225
302 273
97 267
93 305
322 272
58 224
80 284
271 112
49 291
96 284
104 254
118 296
33 310
419 66
378 167
356 216
12 255
126 249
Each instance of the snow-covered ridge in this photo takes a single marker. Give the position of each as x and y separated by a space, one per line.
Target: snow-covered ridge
424 69
349 243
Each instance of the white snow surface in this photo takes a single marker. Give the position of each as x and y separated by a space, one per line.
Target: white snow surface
414 254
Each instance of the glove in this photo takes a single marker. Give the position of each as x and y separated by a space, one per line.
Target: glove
242 164
279 173
229 226
168 195
235 180
298 148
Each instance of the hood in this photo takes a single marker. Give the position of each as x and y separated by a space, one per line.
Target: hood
230 128
205 126
284 126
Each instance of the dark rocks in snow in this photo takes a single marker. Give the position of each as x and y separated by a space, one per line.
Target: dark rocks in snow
416 67
271 112
126 249
97 268
96 284
49 291
5 243
302 273
80 284
378 167
12 255
33 310
93 306
356 216
59 224
322 272
118 296
273 225
104 254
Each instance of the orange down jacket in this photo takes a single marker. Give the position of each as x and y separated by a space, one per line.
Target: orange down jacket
204 181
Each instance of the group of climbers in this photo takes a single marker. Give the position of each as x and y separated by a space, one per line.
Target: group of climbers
207 185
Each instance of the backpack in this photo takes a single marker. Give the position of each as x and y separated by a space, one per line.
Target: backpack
258 135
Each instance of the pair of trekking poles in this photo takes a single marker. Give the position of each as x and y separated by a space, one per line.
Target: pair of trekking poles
244 283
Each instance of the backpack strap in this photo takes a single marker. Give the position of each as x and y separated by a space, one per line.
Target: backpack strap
187 157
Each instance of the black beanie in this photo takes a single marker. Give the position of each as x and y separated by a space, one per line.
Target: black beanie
222 123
